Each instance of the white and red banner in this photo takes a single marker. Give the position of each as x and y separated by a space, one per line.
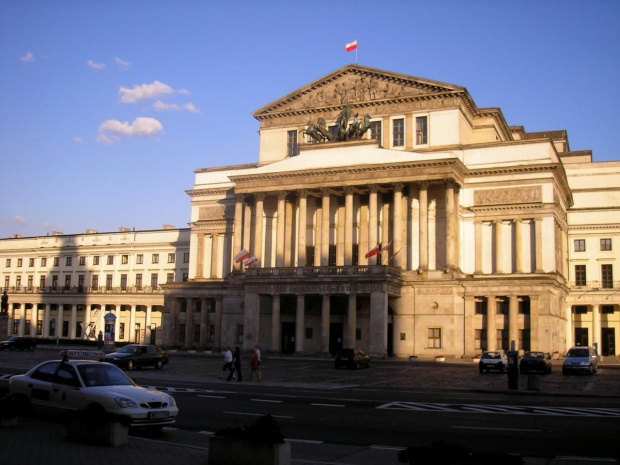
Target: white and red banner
387 247
351 46
249 261
374 251
243 255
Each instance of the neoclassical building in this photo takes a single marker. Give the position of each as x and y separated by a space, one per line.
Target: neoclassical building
389 212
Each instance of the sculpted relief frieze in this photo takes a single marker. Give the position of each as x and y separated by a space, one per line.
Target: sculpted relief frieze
211 213
530 194
315 288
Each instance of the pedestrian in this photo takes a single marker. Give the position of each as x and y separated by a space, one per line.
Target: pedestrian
254 366
100 341
228 357
260 362
236 365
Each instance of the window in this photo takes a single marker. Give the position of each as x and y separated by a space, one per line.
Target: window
30 282
375 131
580 275
39 327
186 257
605 245
358 334
108 281
398 132
332 255
123 282
44 261
82 261
124 259
524 339
607 277
171 258
68 261
502 339
96 260
480 337
121 331
20 262
42 282
81 279
292 147
481 306
580 245
185 277
139 281
56 261
434 338
18 282
8 263
110 260
55 282
421 130
211 333
154 284
169 278
139 259
502 307
581 309
524 306
31 262
239 334
607 309
155 258
309 256
95 282
67 282
333 130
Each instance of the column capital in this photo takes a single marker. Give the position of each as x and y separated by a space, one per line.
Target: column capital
373 188
260 195
282 195
303 193
423 185
349 190
451 184
240 198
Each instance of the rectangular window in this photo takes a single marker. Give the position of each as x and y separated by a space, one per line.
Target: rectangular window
55 282
81 280
480 337
154 284
309 256
171 258
292 147
124 259
123 282
333 130
6 281
332 255
375 131
68 261
95 282
96 260
155 258
185 277
30 282
398 132
580 245
56 261
18 282
44 261
502 307
196 332
8 263
139 281
121 331
39 327
186 257
421 130
580 275
181 333
524 339
605 245
502 339
108 281
607 309
169 278
524 306
356 255
20 262
211 333
139 259
581 309
82 260
481 306
607 277
434 338
239 334
42 282
67 282
110 259
31 262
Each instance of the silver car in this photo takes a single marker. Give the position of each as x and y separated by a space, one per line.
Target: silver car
580 360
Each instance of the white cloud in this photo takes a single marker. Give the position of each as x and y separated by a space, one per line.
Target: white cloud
162 106
19 219
147 91
93 65
77 140
27 57
122 63
112 131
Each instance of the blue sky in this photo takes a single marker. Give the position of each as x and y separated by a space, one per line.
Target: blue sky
108 107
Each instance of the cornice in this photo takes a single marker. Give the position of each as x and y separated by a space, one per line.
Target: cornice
594 227
214 191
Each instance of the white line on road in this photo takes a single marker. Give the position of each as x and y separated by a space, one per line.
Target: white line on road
266 400
328 405
497 429
211 397
255 414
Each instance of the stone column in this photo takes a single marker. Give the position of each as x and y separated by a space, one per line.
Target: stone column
499 256
384 207
386 132
325 227
301 246
238 229
513 328
59 320
478 239
423 226
378 324
519 245
189 319
325 318
46 321
457 227
300 324
351 320
348 226
596 327
217 321
117 323
200 255
491 328
204 323
147 322
372 222
539 245
450 225
258 227
72 321
21 331
534 315
397 236
275 323
568 312
132 324
215 252
469 330
280 229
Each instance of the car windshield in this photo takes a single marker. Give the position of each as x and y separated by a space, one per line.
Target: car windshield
492 355
578 353
128 350
103 374
536 355
12 338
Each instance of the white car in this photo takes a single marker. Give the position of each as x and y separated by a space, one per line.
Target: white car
493 360
94 388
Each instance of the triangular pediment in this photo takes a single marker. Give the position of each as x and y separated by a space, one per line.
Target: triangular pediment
357 86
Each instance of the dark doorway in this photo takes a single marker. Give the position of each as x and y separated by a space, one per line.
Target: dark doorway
335 337
608 341
390 340
287 345
581 337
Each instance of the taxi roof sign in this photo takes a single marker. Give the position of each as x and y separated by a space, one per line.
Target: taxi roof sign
78 353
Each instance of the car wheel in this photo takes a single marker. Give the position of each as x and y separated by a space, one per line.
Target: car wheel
158 365
131 365
590 370
481 369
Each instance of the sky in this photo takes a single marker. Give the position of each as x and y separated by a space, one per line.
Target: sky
107 108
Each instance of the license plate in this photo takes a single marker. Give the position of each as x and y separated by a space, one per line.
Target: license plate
162 414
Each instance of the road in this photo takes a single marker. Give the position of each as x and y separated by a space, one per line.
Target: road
393 404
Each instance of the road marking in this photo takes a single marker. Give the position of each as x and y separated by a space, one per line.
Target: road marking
305 441
497 429
327 405
266 400
255 414
211 397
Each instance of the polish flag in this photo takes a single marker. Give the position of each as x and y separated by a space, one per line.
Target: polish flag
351 46
395 253
374 251
249 261
243 255
387 247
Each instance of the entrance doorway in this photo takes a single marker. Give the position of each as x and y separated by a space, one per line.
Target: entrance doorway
287 344
581 337
608 341
335 338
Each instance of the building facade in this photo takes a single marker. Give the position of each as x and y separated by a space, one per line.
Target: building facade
389 212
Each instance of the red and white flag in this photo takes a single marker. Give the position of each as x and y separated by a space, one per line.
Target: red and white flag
387 247
351 46
374 251
249 261
395 253
243 255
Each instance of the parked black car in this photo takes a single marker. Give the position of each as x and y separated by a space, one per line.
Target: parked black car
137 356
19 342
535 361
352 358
